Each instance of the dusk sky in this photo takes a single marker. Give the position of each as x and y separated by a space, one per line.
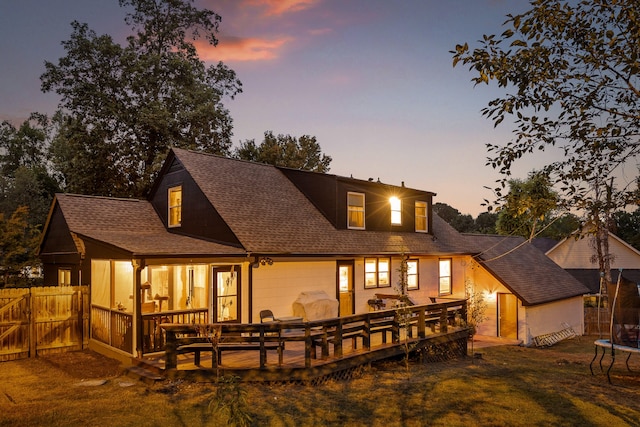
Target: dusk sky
371 79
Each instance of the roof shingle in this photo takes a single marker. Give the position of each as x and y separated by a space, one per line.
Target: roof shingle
525 270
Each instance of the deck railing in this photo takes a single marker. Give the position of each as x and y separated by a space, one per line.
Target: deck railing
115 328
412 323
112 327
154 336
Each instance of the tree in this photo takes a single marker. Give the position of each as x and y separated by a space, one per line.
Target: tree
486 223
627 227
18 244
527 206
462 223
125 105
570 72
26 178
285 150
562 226
23 146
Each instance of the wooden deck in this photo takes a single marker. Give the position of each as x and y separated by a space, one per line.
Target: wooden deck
312 351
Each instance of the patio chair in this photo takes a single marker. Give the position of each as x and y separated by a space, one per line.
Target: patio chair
267 316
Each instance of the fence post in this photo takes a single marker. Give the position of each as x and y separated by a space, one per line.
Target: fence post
31 318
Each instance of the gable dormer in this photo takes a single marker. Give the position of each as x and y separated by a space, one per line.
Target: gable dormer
355 204
184 208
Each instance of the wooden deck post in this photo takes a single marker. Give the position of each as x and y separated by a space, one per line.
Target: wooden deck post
395 329
263 350
422 323
171 348
443 319
307 347
366 334
337 340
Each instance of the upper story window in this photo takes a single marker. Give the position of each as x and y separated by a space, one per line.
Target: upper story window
421 217
412 274
396 210
444 276
64 277
355 210
175 206
377 272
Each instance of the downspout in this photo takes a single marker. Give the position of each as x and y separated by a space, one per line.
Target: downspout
252 264
138 266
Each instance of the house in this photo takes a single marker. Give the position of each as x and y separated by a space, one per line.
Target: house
526 293
577 255
219 240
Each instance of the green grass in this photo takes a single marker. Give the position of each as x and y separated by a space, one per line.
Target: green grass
508 386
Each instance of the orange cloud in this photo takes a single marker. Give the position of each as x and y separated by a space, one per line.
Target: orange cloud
241 49
320 31
280 7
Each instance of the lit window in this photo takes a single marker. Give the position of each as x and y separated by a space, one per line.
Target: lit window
396 210
412 274
421 217
377 273
444 279
355 211
64 277
175 206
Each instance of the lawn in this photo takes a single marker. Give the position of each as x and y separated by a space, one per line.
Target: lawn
507 386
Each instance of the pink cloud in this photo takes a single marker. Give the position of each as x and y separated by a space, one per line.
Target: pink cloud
242 49
280 7
320 31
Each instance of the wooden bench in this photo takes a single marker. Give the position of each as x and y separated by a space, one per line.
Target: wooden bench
353 332
199 347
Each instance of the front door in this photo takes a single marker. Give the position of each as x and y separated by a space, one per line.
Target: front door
345 287
507 316
226 298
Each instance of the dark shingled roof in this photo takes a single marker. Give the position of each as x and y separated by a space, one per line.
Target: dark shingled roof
132 225
590 277
269 214
521 267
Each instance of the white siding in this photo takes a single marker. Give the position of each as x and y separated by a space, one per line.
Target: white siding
549 318
532 321
276 287
578 253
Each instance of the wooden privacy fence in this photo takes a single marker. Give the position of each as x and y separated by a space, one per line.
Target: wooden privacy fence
593 316
37 321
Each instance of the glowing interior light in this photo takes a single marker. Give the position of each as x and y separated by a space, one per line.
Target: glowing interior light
396 210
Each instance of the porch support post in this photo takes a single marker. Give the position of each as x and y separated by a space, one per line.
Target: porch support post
138 265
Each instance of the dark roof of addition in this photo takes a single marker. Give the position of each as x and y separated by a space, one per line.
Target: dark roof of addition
525 270
131 225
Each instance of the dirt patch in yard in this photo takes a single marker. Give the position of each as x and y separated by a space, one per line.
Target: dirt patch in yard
84 364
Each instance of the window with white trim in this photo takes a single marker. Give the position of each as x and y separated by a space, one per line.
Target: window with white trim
355 211
412 274
421 217
377 272
444 276
175 206
396 210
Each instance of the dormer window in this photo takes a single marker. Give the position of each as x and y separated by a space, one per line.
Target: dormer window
355 211
396 210
175 206
421 217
